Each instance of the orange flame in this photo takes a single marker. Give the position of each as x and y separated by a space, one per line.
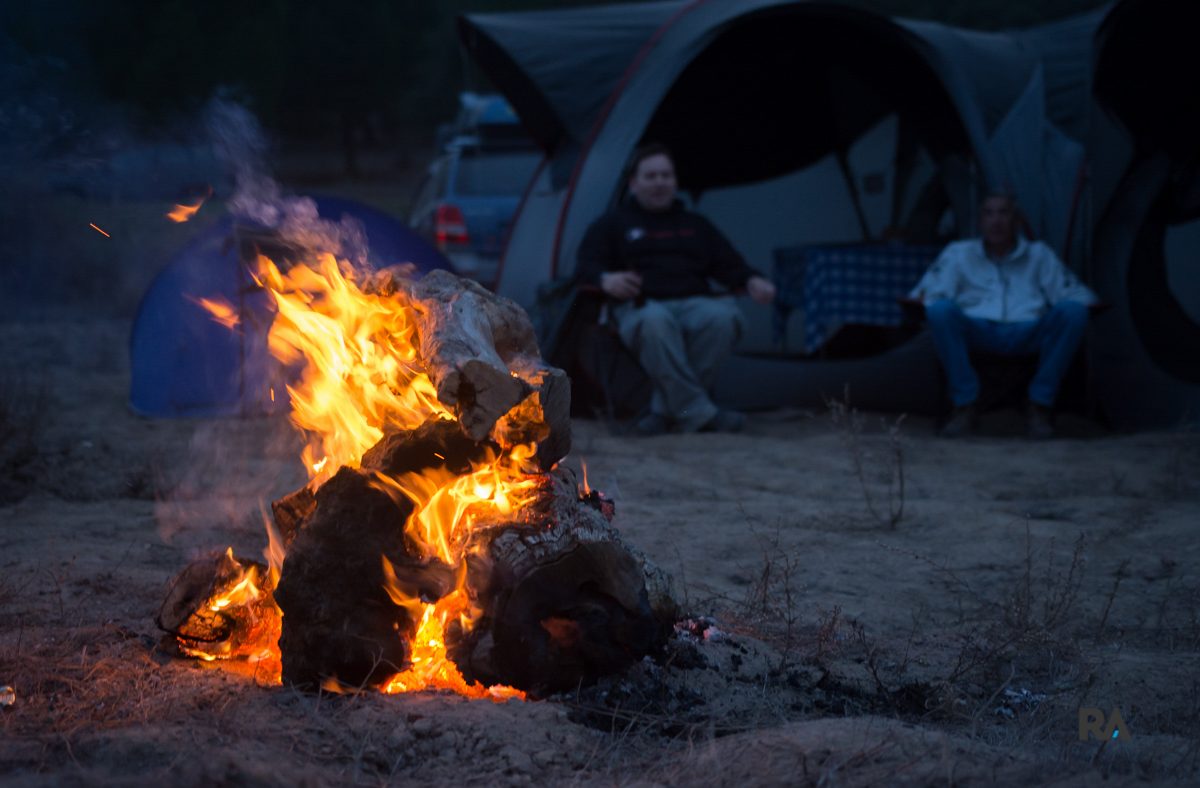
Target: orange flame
362 375
361 370
182 212
221 310
247 599
446 505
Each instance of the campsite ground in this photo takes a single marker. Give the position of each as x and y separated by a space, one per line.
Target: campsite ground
957 644
953 639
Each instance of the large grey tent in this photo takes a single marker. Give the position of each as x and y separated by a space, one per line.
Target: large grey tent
1145 156
797 123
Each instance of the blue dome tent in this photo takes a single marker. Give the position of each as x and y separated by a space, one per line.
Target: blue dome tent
186 364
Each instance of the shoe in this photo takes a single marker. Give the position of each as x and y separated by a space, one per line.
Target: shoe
960 424
725 421
651 424
1037 424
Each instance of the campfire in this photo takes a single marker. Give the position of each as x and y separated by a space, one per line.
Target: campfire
437 543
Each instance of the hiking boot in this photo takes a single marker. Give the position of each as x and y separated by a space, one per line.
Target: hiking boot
1037 424
651 424
960 424
725 421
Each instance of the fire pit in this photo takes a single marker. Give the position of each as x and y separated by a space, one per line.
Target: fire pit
437 543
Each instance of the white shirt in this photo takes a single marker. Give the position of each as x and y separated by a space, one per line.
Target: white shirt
1021 286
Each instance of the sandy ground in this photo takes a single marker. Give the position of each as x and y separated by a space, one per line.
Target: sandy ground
948 634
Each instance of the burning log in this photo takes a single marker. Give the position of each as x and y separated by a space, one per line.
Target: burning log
481 353
564 601
291 510
434 545
220 607
339 620
561 600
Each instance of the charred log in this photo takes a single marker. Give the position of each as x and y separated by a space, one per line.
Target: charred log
543 417
338 620
198 616
435 444
482 356
290 511
565 601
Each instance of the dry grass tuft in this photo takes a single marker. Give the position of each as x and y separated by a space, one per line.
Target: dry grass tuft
89 679
873 466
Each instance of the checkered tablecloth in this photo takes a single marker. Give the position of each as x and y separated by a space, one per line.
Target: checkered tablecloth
843 284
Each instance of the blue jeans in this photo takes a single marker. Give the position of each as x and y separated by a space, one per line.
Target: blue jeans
1054 338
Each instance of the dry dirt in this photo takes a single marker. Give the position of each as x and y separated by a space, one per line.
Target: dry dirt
852 641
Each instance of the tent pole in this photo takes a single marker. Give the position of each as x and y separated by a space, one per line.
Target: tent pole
844 163
903 165
974 207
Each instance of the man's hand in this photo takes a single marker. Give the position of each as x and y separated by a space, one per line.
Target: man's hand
760 289
622 285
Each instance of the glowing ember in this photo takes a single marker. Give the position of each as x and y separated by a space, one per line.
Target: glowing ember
238 620
97 229
430 667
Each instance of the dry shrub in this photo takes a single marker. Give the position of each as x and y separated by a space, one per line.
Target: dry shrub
1028 636
771 608
869 467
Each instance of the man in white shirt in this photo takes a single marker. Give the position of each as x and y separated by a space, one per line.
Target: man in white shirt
1003 294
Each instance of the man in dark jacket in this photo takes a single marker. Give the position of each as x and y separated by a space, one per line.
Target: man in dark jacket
654 259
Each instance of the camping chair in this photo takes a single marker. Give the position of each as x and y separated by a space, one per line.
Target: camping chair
575 334
611 367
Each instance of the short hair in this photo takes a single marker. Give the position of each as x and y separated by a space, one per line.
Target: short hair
999 192
644 152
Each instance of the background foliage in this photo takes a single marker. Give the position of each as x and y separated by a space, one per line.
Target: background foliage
360 71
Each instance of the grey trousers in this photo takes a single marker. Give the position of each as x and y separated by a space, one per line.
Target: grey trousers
680 343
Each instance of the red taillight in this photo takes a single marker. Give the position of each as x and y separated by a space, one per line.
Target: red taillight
449 226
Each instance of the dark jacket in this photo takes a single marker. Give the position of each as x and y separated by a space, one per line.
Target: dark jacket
676 251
